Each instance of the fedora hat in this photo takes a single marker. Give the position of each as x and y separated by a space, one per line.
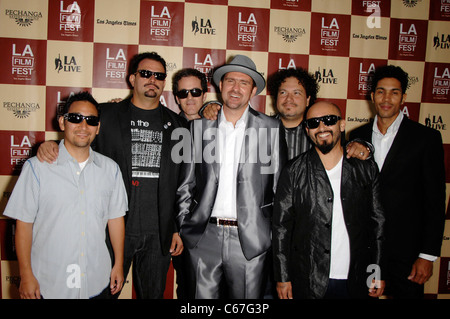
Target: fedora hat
243 64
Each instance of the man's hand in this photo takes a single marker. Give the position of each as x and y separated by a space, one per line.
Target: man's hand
211 110
421 271
358 150
377 288
177 245
284 290
29 287
117 279
48 152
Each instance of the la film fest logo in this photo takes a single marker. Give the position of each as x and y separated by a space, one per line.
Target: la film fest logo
116 64
329 34
407 38
365 77
445 6
160 22
247 29
206 65
23 18
20 151
23 61
441 82
373 7
69 17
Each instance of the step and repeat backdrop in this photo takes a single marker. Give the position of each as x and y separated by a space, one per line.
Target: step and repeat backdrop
53 48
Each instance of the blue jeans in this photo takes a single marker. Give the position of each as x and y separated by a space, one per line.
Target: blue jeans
150 266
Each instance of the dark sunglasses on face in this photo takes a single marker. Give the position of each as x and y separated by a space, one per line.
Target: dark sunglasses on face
328 120
78 118
182 94
148 74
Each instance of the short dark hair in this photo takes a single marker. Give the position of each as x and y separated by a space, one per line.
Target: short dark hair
390 71
189 72
134 63
81 96
306 79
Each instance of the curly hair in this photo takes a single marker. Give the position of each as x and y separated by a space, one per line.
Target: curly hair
390 71
306 79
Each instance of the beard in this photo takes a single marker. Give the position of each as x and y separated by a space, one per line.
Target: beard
326 147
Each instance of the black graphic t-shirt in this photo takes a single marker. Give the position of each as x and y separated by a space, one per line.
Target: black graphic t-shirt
146 145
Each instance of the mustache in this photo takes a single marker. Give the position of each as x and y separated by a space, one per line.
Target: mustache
151 84
326 131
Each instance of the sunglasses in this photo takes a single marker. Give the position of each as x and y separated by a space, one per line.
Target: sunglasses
78 118
148 74
182 94
328 120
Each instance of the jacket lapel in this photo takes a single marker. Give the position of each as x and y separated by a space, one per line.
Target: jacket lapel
247 147
124 115
396 146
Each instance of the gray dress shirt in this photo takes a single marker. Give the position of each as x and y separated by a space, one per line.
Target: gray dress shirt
69 209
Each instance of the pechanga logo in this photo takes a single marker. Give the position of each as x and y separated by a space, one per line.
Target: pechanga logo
412 80
203 27
442 42
410 3
289 34
66 64
21 109
23 18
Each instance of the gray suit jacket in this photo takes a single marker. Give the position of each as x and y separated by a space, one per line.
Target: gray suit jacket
256 182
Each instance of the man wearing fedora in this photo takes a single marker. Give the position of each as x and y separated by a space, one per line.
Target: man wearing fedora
226 189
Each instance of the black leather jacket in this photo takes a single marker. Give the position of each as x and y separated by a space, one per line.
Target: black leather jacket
302 224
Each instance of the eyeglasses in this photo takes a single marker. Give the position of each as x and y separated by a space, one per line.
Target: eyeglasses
78 118
328 120
148 74
182 94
